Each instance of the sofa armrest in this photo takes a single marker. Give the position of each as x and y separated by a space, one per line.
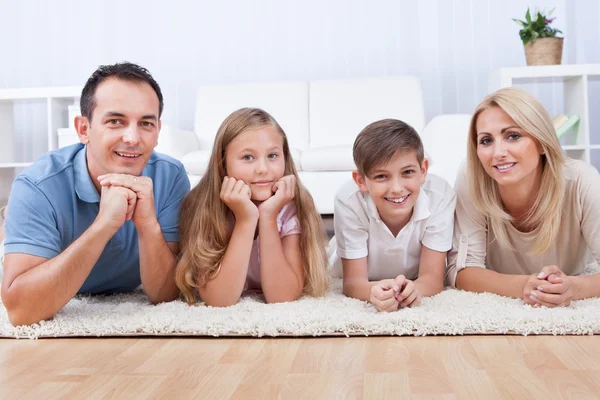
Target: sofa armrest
176 142
445 142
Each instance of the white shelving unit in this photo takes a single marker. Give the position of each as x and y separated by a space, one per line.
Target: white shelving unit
575 81
56 100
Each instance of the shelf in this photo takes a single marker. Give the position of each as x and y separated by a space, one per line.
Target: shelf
575 147
40 93
549 71
15 164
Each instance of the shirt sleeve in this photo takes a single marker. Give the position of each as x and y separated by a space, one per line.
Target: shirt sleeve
469 246
287 221
168 216
351 232
440 225
589 195
31 223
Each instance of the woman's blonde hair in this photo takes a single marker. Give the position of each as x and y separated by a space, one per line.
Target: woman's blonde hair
531 116
204 226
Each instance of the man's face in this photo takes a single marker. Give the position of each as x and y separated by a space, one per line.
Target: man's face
124 128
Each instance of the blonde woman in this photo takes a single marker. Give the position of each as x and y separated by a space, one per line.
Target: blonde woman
250 224
527 217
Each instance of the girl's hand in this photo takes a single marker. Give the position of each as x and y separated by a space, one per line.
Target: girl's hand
555 290
236 195
284 189
382 296
406 292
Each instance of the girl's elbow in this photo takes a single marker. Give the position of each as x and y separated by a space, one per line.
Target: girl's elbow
221 303
284 297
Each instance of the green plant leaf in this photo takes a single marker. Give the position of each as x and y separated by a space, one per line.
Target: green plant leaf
528 15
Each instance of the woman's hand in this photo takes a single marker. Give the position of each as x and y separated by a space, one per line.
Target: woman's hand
236 195
556 290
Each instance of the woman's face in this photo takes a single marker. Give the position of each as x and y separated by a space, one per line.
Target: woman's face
508 154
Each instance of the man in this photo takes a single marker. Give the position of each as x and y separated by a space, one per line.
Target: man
100 216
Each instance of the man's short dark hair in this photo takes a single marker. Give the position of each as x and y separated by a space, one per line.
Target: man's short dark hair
379 141
125 71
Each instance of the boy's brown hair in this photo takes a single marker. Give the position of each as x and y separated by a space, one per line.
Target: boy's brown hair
379 141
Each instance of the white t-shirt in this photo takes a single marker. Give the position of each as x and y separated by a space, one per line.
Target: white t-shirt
360 232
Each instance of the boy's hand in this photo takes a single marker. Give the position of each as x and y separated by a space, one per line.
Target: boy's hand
236 195
382 296
406 292
285 189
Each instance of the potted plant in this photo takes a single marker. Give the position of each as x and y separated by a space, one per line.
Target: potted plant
542 47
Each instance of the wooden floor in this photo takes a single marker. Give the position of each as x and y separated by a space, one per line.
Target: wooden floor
479 367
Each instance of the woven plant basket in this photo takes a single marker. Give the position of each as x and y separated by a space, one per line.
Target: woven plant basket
544 51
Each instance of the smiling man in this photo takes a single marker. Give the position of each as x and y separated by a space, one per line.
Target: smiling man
101 216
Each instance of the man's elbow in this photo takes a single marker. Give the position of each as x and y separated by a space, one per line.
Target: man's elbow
18 314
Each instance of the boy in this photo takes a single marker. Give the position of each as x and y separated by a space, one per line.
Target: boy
393 223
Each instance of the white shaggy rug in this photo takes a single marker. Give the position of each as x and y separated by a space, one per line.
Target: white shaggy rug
451 312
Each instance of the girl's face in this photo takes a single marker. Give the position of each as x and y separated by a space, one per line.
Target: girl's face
256 157
507 153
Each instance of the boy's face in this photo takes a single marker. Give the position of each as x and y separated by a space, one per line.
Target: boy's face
394 187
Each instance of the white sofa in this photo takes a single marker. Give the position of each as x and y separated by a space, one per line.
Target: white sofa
320 118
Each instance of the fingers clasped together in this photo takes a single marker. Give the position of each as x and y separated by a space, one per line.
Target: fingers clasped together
391 294
550 288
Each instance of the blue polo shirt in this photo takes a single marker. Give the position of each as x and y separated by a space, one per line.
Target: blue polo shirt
54 201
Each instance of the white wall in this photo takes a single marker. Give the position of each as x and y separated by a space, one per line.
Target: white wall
451 45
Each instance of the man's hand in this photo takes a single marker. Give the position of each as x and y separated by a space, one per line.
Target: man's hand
236 195
382 296
284 189
406 292
117 205
550 288
145 212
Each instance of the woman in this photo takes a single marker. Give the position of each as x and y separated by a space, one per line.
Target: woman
527 217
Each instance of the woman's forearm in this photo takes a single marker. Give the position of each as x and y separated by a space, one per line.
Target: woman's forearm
477 279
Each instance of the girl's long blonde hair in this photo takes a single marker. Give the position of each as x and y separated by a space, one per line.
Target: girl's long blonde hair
204 226
530 115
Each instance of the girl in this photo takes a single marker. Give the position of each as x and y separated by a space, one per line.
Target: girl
527 217
249 223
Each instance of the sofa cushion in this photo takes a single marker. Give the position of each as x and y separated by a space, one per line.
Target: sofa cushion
297 156
332 158
340 109
287 102
196 162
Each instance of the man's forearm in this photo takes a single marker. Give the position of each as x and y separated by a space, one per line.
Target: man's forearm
44 290
157 265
